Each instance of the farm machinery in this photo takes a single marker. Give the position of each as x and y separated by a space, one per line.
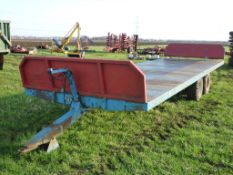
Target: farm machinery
19 49
151 51
5 40
115 85
124 43
121 43
42 46
62 45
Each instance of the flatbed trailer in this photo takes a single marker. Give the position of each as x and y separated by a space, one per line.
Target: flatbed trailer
107 84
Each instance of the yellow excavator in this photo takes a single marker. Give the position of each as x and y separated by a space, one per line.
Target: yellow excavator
61 45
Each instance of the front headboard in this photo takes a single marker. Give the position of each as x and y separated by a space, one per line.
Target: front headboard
210 51
113 79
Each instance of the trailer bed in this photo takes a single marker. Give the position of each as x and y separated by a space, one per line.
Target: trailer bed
114 85
165 77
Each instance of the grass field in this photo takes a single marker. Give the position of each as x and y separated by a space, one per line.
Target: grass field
177 137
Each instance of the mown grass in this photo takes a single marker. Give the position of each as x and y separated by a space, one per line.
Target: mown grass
177 137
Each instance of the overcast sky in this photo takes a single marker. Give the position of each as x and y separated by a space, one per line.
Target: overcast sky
157 19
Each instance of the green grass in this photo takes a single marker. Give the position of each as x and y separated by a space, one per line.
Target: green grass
177 137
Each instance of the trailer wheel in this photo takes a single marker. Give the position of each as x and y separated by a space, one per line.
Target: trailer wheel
1 61
206 84
194 92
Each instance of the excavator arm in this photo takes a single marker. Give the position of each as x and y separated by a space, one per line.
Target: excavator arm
61 45
69 35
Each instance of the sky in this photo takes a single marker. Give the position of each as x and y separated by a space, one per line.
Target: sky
209 20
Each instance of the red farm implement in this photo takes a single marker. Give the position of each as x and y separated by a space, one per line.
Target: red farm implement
121 43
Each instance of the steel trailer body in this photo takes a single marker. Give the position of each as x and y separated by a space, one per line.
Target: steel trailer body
5 40
163 79
106 84
5 37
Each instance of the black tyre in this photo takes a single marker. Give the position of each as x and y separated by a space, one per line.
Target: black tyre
231 61
1 62
194 92
206 84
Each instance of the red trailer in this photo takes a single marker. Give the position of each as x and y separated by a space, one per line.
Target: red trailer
114 85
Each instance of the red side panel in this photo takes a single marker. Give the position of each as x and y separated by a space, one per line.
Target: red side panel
101 78
195 50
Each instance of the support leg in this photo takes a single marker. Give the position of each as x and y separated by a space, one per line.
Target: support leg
47 136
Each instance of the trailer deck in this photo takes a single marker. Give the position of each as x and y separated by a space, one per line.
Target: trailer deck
166 77
148 83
